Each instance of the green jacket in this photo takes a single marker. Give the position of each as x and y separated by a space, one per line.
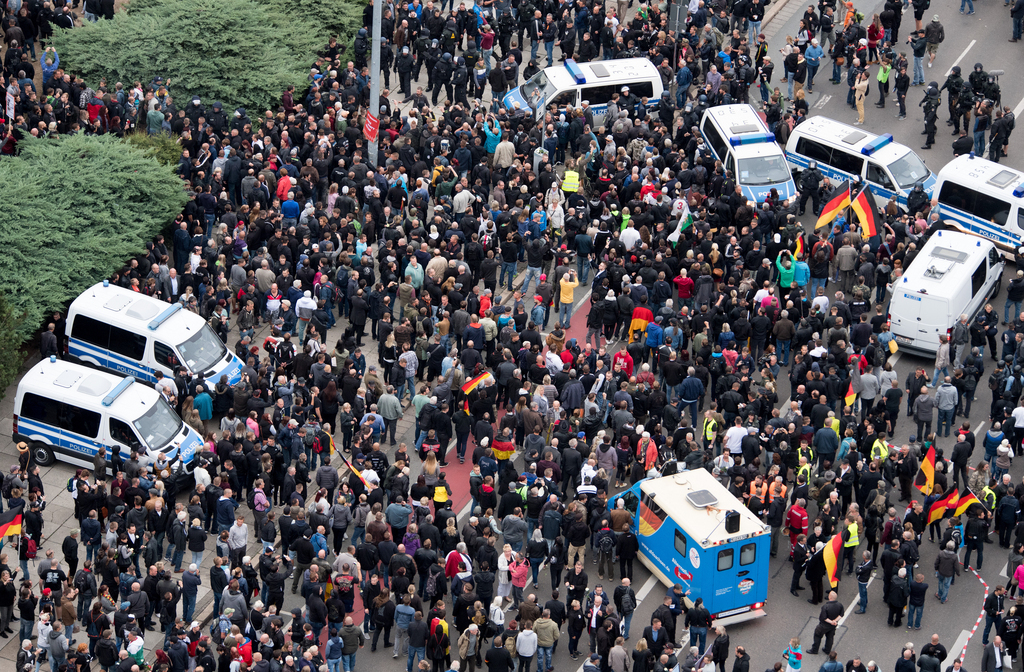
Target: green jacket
785 274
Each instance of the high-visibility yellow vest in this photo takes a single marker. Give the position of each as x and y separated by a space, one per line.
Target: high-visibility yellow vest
440 494
571 181
710 429
879 450
806 471
854 540
988 497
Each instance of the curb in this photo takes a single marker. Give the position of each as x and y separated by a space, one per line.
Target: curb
773 11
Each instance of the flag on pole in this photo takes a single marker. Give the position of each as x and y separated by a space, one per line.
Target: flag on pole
867 212
471 385
681 210
838 200
355 471
851 396
925 479
965 502
937 511
832 554
10 522
799 251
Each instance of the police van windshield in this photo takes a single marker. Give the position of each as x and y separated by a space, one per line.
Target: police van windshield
537 90
201 351
760 170
158 425
908 170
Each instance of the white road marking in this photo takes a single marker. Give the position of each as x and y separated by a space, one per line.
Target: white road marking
1002 572
961 56
1020 108
856 601
820 105
959 644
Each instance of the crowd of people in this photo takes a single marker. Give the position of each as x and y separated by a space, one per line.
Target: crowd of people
700 301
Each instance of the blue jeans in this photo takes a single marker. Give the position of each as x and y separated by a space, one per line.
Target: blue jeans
918 70
863 588
837 72
989 622
197 559
812 70
626 621
944 583
914 616
698 637
564 314
550 48
583 267
970 6
979 142
533 56
1018 26
783 360
544 657
508 267
753 29
487 59
414 651
1015 304
334 665
188 606
945 417
789 95
815 283
531 272
348 660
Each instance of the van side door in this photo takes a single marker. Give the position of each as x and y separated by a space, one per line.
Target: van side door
89 340
165 358
80 429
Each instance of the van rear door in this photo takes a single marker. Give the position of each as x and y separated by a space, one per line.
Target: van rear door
918 319
736 573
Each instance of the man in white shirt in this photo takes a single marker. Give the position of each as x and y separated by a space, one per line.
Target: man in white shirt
734 437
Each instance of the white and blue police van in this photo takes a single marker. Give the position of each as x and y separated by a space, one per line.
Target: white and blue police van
136 335
739 139
571 84
846 152
983 198
65 412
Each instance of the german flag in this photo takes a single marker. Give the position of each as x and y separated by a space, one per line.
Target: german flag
965 502
355 471
10 522
832 554
851 396
867 212
798 250
838 200
938 510
925 479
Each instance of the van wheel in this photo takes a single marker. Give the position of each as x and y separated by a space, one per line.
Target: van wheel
42 454
996 287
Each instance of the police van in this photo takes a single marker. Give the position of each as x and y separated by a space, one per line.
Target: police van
692 531
137 335
66 412
571 84
954 274
984 198
741 141
845 152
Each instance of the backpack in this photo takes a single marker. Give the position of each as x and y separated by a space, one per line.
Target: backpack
71 485
80 580
251 499
5 489
30 547
607 543
432 584
628 603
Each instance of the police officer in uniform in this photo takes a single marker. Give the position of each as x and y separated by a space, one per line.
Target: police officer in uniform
810 180
459 79
404 66
931 113
953 84
361 46
442 77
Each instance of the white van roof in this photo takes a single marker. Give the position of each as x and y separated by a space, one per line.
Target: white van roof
676 494
622 70
946 255
89 388
984 175
136 312
744 130
881 147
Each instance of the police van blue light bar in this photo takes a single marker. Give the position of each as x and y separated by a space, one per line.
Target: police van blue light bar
1019 191
575 71
116 392
751 139
163 317
876 144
